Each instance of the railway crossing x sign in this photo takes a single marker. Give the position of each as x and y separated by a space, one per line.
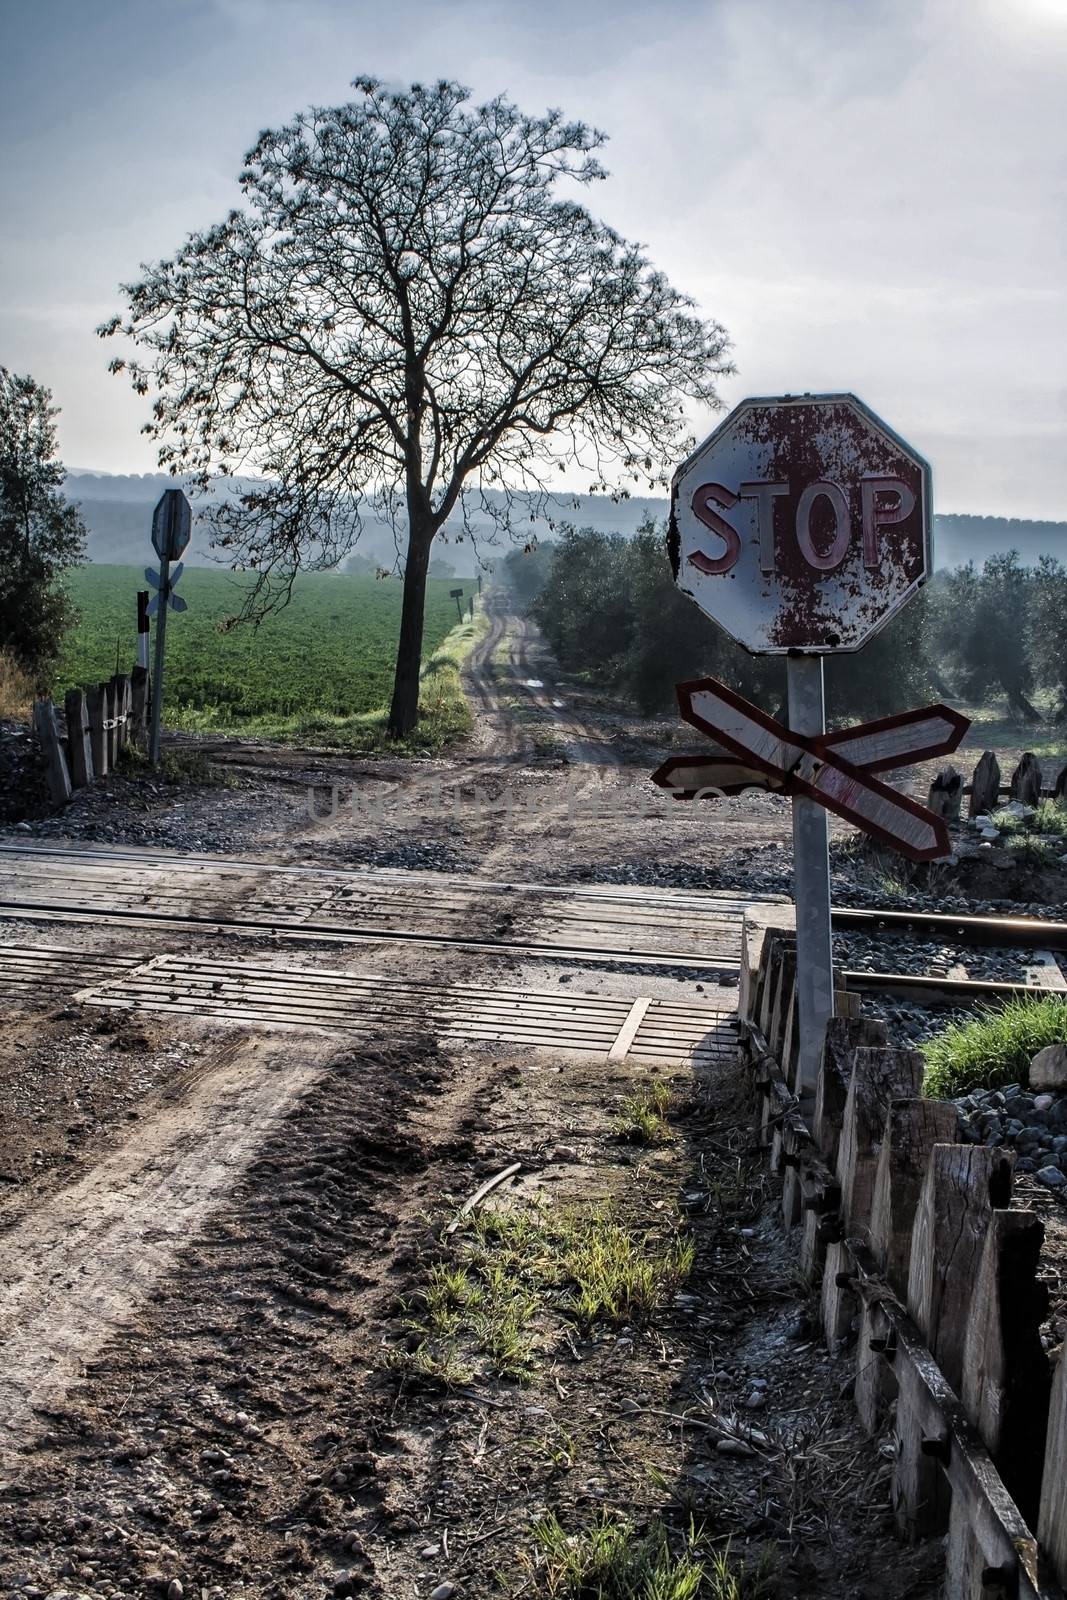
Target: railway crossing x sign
171 599
834 769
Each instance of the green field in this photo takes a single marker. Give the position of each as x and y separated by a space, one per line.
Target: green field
321 666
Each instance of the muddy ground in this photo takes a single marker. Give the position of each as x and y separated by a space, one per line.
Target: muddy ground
228 1366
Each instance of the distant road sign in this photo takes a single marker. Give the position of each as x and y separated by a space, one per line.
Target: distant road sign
153 577
809 765
172 523
801 523
454 594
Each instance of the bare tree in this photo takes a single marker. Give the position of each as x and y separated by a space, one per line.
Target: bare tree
406 308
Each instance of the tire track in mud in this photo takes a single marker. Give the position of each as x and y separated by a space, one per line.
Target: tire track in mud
238 1437
76 1267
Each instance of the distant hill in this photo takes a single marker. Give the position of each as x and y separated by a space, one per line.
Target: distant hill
118 513
959 539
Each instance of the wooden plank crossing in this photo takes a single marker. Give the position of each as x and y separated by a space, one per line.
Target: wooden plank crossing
29 974
608 922
369 1005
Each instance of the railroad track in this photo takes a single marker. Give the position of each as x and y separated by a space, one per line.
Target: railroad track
1025 933
367 1005
590 925
1037 940
371 1006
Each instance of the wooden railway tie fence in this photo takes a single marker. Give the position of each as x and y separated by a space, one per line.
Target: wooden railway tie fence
99 723
986 791
918 1256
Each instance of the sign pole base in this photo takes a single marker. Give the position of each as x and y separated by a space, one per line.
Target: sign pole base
811 878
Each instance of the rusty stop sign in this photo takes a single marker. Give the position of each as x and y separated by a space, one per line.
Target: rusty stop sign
801 524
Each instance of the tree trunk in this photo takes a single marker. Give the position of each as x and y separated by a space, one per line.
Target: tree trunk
404 712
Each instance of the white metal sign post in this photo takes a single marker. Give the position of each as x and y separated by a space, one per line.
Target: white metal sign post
800 526
171 528
811 877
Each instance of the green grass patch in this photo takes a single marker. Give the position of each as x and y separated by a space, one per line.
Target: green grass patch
642 1117
612 1560
993 1048
1007 736
321 669
518 1276
1050 817
1034 841
182 768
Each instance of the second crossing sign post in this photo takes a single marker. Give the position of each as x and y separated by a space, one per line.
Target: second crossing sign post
171 527
800 526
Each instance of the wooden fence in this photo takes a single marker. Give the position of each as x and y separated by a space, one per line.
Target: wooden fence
918 1257
98 724
986 789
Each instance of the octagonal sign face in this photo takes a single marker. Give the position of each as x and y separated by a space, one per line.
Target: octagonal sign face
801 524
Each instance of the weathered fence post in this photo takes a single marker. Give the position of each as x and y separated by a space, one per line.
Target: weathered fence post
878 1077
1025 783
139 706
47 731
912 1129
1005 1382
985 786
946 794
787 977
96 710
79 745
1006 1377
107 698
119 686
772 974
962 1185
844 1036
1052 1516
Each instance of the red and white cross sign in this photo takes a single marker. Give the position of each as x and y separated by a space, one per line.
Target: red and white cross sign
833 769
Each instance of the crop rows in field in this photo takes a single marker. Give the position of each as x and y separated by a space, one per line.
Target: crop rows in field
328 654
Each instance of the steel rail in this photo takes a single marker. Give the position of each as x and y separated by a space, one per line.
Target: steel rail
1024 933
930 989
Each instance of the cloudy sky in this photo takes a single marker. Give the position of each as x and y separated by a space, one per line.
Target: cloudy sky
869 194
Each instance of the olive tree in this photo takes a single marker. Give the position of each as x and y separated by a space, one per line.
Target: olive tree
410 306
41 534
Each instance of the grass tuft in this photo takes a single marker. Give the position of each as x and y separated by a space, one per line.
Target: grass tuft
423 1367
993 1048
185 767
1049 817
518 1272
642 1116
618 1276
610 1560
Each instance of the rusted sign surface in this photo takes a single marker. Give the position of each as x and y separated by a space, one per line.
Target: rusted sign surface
801 524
